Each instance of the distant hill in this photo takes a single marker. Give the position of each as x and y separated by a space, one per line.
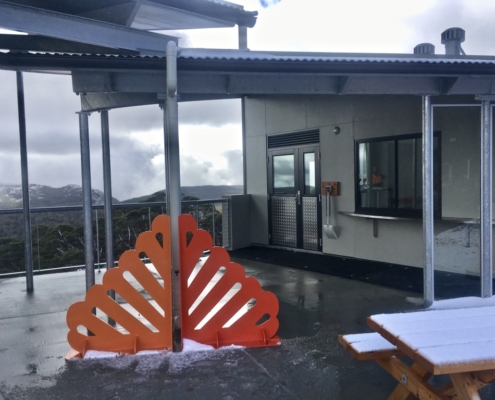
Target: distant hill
202 192
71 195
46 196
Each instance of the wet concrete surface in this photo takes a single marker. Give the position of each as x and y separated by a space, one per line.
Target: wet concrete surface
310 364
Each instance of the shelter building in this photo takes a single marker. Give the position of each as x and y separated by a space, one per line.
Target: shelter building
403 140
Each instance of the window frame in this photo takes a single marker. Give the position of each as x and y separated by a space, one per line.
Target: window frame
395 211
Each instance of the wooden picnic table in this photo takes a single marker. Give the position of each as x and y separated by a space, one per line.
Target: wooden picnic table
457 342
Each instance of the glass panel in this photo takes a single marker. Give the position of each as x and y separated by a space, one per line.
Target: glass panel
363 176
377 174
407 171
379 189
457 235
309 174
283 173
418 192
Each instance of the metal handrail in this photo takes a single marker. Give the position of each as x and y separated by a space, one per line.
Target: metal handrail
7 211
149 205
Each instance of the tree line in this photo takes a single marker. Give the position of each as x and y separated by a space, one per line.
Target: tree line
58 240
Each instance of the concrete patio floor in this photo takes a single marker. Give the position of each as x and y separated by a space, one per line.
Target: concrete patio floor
310 364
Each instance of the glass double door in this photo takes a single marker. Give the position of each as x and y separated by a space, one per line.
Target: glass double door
294 197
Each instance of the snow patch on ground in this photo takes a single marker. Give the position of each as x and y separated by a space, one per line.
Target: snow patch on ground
463 302
189 345
193 354
95 354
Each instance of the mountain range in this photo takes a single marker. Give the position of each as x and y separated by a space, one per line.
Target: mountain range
70 195
206 192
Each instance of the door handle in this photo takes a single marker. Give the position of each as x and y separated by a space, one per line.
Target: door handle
298 197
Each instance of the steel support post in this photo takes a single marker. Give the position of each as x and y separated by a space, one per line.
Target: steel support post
107 187
244 159
87 200
28 250
213 223
486 200
173 173
429 266
167 158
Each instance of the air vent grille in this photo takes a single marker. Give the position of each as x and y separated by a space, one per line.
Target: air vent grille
293 139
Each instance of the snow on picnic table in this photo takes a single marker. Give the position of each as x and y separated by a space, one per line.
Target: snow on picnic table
452 331
368 342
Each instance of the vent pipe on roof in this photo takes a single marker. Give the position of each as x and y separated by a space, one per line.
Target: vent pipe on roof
243 44
452 39
424 48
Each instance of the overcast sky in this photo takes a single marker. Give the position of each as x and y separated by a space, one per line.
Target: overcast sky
210 132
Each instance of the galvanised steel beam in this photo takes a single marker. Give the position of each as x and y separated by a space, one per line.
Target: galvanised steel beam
107 187
87 200
28 248
486 199
172 171
69 27
428 242
107 101
283 83
107 192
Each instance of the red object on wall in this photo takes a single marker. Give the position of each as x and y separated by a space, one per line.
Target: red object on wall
140 336
231 293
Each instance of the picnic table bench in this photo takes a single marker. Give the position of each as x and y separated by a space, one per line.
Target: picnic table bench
457 342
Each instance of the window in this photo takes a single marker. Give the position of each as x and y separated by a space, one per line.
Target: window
389 177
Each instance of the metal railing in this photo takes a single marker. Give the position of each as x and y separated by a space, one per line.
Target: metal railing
58 233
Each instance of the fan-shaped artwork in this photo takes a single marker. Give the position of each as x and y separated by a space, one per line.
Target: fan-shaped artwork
144 324
220 306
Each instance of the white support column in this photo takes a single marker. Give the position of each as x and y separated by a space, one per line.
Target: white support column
87 200
429 265
173 173
486 200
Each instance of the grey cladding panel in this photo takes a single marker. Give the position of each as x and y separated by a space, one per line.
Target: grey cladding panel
310 223
284 221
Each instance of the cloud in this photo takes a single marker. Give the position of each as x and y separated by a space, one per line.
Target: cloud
136 137
213 113
470 16
380 26
268 3
50 107
199 172
134 171
210 132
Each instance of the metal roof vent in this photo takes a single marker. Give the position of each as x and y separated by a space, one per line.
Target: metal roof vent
452 39
424 48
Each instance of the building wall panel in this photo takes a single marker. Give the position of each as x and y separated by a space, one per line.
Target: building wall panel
363 117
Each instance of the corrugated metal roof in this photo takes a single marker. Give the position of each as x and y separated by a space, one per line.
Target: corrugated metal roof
243 55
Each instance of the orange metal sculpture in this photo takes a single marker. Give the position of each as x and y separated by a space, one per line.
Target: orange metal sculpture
157 334
220 306
232 294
